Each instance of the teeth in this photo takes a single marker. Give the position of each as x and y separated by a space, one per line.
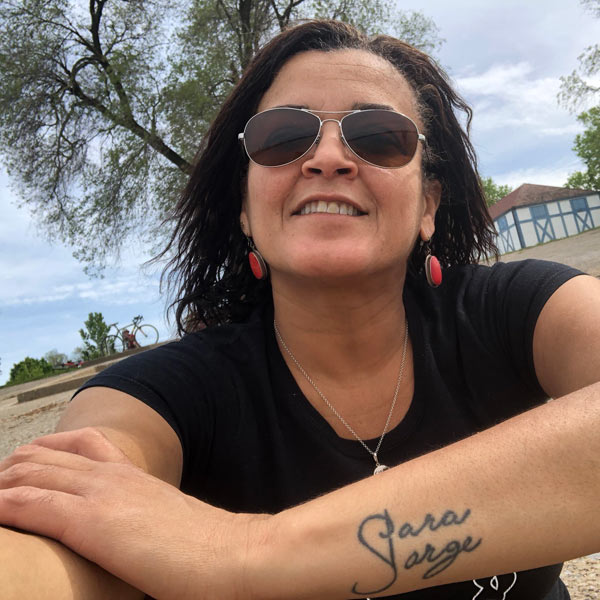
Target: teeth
329 207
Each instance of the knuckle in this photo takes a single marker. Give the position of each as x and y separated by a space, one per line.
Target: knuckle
20 471
92 434
26 496
25 450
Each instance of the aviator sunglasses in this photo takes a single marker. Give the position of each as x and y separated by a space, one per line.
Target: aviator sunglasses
380 137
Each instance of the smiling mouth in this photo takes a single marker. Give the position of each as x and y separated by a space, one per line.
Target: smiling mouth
332 208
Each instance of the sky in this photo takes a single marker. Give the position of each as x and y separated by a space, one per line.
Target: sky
505 58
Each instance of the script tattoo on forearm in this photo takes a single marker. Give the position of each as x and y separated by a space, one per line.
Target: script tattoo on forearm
378 532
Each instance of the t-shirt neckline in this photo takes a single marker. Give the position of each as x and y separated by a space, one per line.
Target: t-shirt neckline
288 391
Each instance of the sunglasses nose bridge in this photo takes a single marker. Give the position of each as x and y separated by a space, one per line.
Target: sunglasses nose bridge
339 123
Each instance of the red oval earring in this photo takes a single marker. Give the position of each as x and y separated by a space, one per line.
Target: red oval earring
433 269
258 266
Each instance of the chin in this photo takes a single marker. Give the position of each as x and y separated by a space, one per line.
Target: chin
331 268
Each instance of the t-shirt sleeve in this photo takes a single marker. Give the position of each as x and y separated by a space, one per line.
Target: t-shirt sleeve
161 378
507 300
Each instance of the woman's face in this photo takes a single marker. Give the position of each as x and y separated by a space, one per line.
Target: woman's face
394 204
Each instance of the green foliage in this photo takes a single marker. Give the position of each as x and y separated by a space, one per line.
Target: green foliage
493 191
95 331
103 104
28 370
577 89
587 147
580 86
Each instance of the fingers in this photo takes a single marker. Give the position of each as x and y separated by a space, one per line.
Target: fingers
45 512
88 442
32 453
47 476
42 467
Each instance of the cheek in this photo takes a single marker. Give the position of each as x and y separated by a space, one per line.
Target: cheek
399 195
267 190
258 187
260 208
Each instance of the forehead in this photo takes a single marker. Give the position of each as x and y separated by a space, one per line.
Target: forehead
339 80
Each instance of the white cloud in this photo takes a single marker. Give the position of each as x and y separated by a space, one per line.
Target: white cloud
495 80
513 97
553 175
122 290
35 272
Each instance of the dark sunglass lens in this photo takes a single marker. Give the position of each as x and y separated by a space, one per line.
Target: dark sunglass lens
381 137
279 136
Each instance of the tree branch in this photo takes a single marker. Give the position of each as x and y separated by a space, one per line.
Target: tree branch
129 123
287 13
278 15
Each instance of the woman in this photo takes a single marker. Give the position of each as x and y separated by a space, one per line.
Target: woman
336 371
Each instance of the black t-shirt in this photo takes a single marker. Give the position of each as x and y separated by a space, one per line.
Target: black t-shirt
253 443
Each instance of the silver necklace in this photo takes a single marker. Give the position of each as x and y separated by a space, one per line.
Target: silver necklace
378 466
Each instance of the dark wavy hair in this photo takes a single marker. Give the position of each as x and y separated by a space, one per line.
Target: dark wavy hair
209 277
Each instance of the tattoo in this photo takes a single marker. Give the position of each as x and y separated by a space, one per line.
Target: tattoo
444 559
389 559
377 533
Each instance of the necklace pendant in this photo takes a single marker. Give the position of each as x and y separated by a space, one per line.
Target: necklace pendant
380 469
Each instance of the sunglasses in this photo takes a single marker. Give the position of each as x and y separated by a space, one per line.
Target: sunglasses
279 136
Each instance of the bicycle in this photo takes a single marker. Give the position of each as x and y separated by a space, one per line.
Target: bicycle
123 339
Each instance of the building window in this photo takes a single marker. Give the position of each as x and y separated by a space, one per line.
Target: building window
579 204
502 224
539 211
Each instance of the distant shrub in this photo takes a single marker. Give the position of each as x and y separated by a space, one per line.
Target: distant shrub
29 369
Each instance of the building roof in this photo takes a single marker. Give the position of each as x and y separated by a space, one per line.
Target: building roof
530 193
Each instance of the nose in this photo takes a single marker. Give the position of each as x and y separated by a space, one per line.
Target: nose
331 156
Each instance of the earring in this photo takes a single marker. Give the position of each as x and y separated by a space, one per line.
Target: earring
433 269
259 267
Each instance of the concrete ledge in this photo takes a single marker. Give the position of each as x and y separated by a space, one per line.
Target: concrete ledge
57 388
124 354
77 380
49 390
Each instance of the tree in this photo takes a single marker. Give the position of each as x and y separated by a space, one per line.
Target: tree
77 354
55 358
587 147
580 86
95 331
101 109
29 369
493 191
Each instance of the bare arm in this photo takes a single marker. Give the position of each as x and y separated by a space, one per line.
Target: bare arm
520 495
38 567
504 500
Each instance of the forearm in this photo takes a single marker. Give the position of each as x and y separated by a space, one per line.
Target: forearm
521 495
37 567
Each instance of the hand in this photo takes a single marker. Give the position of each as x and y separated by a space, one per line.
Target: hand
81 490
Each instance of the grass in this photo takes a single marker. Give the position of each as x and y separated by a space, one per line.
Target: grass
57 371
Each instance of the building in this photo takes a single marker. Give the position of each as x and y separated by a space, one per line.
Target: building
534 214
